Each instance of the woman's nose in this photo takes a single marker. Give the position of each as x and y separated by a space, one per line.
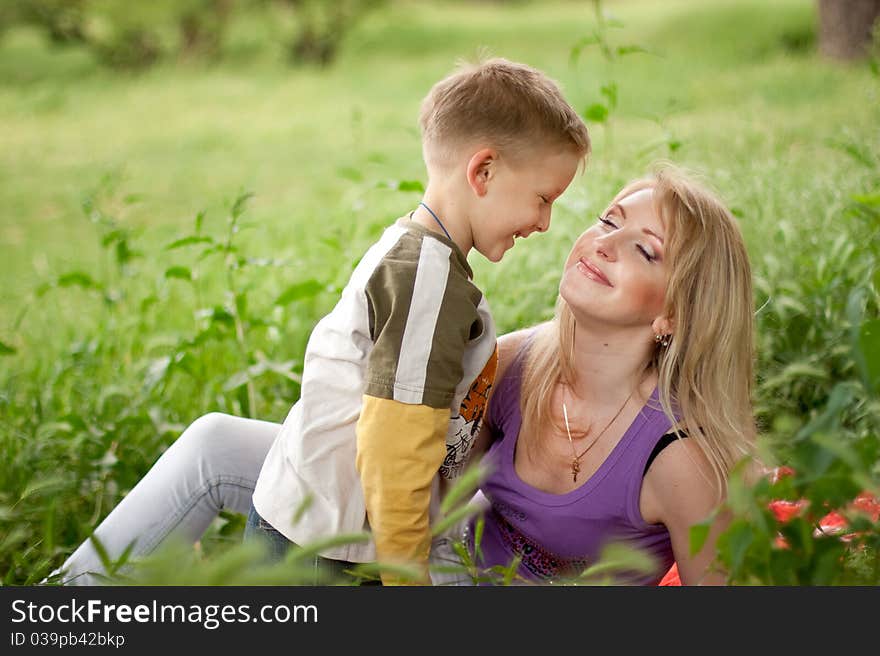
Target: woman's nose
606 248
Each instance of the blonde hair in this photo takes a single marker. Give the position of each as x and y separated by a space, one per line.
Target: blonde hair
509 106
705 374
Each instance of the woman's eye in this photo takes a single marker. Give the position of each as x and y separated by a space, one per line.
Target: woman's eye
608 222
645 253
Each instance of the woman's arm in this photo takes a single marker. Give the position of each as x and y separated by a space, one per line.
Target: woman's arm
679 490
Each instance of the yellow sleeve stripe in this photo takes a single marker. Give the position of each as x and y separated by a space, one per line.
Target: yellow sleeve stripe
400 448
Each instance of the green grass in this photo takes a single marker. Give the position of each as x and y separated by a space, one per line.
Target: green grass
736 83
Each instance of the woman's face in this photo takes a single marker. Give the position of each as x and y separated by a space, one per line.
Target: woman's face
616 272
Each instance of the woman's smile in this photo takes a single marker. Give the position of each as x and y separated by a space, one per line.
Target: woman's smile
592 272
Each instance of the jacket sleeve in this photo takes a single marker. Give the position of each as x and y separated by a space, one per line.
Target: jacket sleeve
400 447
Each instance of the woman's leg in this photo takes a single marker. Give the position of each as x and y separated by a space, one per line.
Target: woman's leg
213 465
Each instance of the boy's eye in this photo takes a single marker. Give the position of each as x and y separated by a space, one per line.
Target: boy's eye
544 199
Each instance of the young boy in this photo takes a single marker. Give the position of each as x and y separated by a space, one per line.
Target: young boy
396 377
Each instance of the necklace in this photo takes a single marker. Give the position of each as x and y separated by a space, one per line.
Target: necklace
437 219
576 459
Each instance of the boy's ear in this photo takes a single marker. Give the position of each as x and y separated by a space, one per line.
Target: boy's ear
481 169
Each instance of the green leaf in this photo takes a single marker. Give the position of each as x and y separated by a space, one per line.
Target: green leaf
101 550
241 304
629 50
841 449
301 509
221 316
411 185
580 45
461 551
238 206
188 241
620 559
299 291
795 371
402 185
237 379
452 518
43 486
597 113
350 173
77 279
315 548
829 419
736 540
113 236
698 535
465 486
479 528
179 272
860 153
871 200
610 92
5 349
124 556
124 253
371 571
868 345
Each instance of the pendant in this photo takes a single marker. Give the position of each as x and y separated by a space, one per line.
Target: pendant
575 469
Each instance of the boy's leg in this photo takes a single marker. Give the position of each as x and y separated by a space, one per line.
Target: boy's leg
317 571
213 465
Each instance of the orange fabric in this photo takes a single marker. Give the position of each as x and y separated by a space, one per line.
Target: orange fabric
671 577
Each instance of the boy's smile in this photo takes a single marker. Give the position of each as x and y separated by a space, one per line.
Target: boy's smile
518 199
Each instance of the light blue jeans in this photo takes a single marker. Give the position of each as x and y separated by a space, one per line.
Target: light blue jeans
212 466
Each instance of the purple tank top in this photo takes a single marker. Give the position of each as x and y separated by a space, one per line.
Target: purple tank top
559 535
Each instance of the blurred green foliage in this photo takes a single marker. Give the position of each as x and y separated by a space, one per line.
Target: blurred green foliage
144 286
136 35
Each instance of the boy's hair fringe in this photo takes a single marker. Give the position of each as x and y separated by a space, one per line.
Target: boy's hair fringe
502 104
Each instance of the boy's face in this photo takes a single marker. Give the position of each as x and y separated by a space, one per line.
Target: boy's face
518 199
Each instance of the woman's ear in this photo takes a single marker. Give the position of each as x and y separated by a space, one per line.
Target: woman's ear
481 169
663 326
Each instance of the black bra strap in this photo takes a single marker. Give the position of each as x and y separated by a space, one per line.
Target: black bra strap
664 441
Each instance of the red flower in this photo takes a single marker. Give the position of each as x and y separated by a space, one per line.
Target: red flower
868 504
786 510
780 473
833 522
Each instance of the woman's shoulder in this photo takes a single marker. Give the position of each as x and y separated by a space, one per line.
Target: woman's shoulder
680 481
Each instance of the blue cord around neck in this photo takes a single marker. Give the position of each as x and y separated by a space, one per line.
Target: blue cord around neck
439 222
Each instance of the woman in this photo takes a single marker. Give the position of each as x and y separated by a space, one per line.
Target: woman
651 342
619 420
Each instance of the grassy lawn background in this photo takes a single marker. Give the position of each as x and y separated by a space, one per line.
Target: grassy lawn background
733 89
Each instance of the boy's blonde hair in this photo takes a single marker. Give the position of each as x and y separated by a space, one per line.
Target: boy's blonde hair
502 104
705 374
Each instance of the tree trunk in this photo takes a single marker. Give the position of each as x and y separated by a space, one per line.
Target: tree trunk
845 27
